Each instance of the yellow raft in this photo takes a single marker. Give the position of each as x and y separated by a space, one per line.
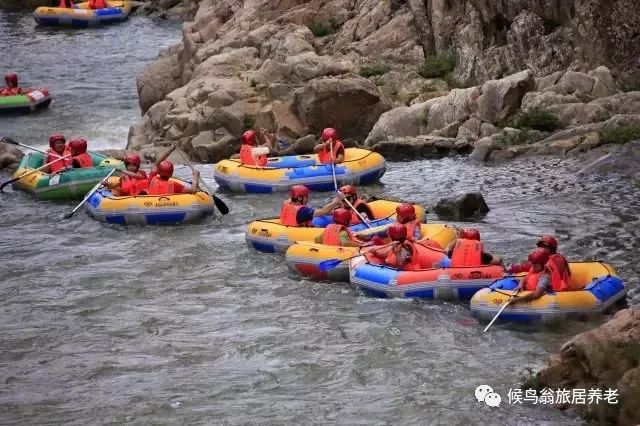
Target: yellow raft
303 258
270 236
602 289
82 15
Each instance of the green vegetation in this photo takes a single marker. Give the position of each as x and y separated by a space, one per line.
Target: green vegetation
619 134
247 122
374 69
506 140
438 65
254 83
536 118
320 30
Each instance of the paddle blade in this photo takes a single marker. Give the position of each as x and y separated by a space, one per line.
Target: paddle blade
220 205
325 265
68 215
7 139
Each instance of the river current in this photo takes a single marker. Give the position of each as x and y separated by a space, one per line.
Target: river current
186 325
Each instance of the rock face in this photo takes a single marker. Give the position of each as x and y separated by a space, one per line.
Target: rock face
10 156
462 206
239 57
607 357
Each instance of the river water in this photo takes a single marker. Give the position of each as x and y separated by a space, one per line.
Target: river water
187 325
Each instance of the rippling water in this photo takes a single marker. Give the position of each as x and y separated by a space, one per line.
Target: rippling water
186 325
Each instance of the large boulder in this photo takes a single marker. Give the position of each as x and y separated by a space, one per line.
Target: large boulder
501 98
464 206
456 107
156 81
352 105
399 122
279 118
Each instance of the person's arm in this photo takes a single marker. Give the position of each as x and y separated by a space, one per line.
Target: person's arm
544 283
320 147
138 175
339 158
329 207
345 241
365 211
166 154
490 259
194 186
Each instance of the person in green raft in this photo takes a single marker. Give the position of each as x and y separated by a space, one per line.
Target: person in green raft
12 88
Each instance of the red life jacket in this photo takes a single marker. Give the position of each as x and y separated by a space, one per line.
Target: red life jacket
411 228
559 269
158 186
466 253
393 259
97 4
557 282
246 156
354 217
58 165
331 236
133 186
422 256
289 213
10 91
84 160
324 155
66 4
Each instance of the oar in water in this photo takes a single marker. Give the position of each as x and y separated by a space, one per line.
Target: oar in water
24 175
220 205
325 265
501 309
89 194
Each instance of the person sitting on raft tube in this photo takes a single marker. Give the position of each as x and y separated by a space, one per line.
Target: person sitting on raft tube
467 250
330 143
97 4
133 180
57 148
406 215
409 255
338 233
11 82
295 212
361 206
162 185
540 279
66 4
550 243
250 154
154 171
80 159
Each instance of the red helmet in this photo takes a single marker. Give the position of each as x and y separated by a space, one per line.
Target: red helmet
549 242
349 190
329 133
78 146
299 191
539 256
11 79
397 232
249 137
405 212
132 159
56 137
470 234
342 216
165 169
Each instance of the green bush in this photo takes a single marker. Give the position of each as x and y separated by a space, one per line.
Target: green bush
619 134
537 119
374 69
438 65
320 30
248 121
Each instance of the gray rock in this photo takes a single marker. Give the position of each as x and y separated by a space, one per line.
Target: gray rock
501 155
573 81
481 149
399 122
462 206
501 98
488 129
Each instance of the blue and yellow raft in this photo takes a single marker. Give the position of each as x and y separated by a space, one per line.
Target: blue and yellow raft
82 16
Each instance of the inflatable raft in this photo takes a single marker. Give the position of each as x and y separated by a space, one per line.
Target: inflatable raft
103 206
304 258
459 283
270 236
361 167
28 102
71 184
603 289
82 16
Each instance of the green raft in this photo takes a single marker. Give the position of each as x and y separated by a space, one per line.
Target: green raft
67 185
28 102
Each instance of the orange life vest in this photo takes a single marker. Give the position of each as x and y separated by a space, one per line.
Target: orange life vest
558 282
324 155
97 4
559 270
133 186
466 253
331 236
425 255
246 156
289 213
411 228
83 160
58 165
393 259
10 91
158 186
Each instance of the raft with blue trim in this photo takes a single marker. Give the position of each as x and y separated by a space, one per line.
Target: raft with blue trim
361 167
603 289
304 258
270 236
31 101
103 206
67 185
82 16
458 283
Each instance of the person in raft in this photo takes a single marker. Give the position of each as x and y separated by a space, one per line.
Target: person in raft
275 144
66 4
330 143
295 212
541 278
11 85
250 154
338 233
559 261
57 149
163 157
467 250
80 158
361 206
162 185
409 255
133 181
97 4
406 215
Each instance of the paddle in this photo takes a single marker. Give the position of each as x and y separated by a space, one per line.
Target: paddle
32 172
89 194
325 265
11 141
501 309
220 205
